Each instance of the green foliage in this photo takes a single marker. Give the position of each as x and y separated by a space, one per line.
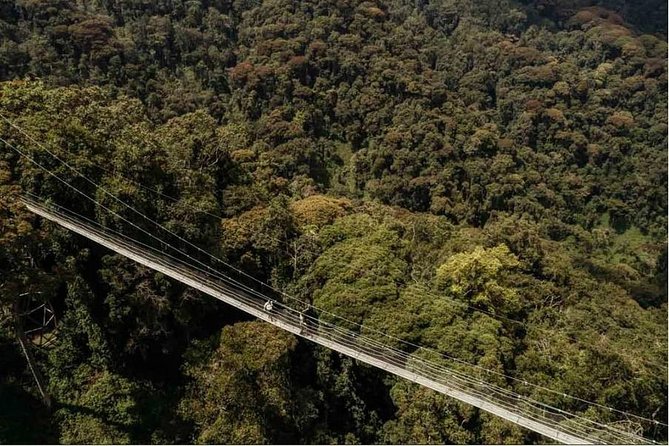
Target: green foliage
485 178
475 278
359 272
242 394
426 417
102 412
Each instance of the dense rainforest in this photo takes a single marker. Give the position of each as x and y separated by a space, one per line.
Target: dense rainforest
484 177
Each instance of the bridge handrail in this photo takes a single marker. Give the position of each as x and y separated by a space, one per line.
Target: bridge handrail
365 348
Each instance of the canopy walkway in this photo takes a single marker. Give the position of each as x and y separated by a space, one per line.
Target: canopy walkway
551 422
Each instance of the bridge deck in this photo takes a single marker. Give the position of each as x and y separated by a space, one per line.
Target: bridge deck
324 334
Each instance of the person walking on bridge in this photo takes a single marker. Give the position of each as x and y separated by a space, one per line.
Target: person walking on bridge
303 323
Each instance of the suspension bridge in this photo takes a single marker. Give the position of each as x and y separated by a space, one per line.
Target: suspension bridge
551 422
450 376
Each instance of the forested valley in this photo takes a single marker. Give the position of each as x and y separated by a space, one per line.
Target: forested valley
487 178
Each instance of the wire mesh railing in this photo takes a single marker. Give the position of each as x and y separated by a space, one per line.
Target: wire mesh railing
490 397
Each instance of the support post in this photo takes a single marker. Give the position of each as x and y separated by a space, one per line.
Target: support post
23 342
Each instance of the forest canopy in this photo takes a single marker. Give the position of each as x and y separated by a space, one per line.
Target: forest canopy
484 178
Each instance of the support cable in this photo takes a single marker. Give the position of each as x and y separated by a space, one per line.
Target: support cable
259 281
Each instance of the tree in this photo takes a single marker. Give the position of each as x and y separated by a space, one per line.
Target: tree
243 393
478 278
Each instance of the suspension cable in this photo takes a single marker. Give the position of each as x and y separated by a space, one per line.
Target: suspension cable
351 334
106 192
